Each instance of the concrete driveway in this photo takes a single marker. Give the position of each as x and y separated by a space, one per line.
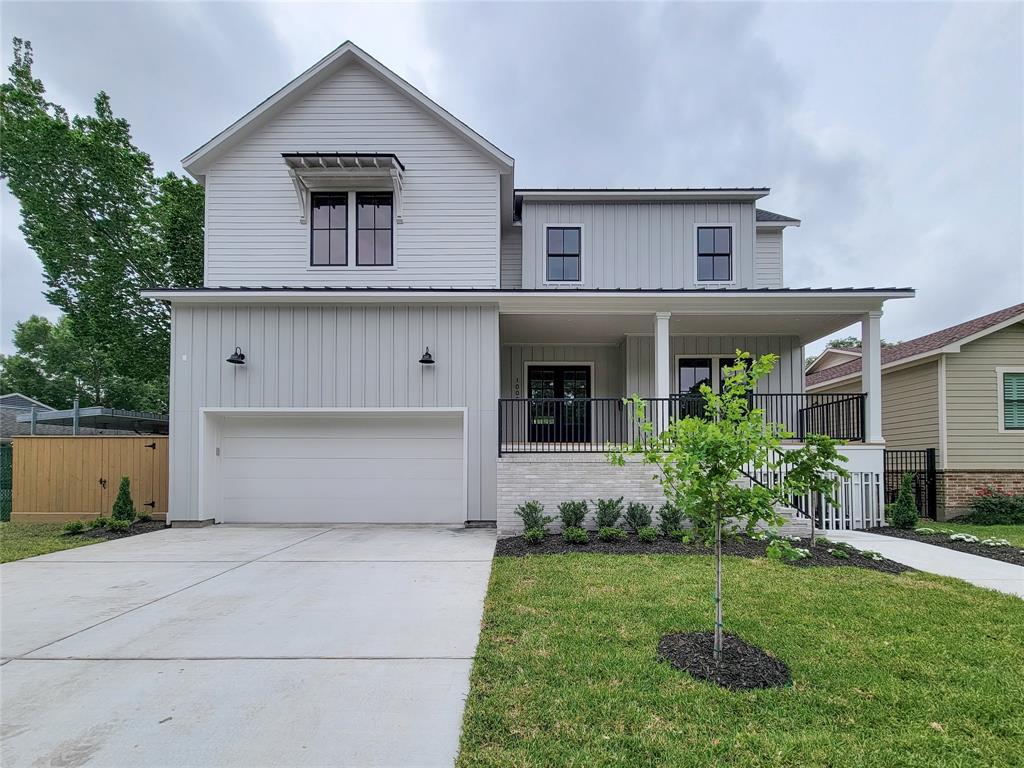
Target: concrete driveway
243 645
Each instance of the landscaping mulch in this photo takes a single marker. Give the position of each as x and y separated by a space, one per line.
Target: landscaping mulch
1010 554
743 666
102 533
738 546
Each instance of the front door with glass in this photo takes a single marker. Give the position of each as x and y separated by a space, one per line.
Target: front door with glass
559 403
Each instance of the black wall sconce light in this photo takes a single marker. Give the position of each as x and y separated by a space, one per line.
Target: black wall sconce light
427 358
236 357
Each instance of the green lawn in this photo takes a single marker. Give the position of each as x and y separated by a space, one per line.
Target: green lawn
1012 533
19 540
909 670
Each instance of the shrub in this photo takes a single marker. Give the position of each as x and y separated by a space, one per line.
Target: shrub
74 526
994 542
780 549
99 522
647 534
533 535
924 531
607 512
682 536
670 518
993 507
872 555
610 533
119 526
144 518
967 538
124 508
575 535
637 515
839 552
572 513
903 511
532 515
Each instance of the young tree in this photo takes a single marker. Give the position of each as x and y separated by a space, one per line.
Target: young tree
124 507
705 463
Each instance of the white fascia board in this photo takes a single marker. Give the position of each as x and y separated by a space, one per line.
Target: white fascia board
777 224
195 162
641 194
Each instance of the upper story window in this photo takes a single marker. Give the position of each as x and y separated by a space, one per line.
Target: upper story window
564 254
329 237
373 229
714 254
1012 394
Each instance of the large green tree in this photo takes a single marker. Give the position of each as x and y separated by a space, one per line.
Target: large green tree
104 227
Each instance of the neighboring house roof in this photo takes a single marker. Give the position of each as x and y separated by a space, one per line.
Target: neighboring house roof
345 54
831 357
947 340
18 400
772 219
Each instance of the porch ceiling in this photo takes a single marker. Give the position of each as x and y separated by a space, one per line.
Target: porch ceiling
605 328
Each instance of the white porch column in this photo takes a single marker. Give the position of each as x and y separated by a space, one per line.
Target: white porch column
871 374
662 370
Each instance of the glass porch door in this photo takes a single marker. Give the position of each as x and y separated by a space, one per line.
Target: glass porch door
559 403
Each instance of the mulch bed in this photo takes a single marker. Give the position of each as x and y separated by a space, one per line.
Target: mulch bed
738 546
743 666
1011 554
102 533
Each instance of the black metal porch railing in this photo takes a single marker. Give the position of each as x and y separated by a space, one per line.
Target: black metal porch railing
593 424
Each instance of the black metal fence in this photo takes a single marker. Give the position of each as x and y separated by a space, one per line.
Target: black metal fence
591 425
920 464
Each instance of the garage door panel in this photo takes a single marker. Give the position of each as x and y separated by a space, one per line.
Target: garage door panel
342 468
276 469
340 448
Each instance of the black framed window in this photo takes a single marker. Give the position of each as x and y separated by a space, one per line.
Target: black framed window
564 251
374 235
714 254
328 237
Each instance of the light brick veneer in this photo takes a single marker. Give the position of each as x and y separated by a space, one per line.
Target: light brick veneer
550 479
957 488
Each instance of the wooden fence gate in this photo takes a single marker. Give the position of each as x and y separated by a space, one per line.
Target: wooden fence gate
70 478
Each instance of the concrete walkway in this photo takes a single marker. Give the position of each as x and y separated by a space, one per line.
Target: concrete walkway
977 570
243 646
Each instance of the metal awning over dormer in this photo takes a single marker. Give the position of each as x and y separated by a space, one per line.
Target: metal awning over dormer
332 171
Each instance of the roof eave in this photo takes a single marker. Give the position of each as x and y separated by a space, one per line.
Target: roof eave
743 194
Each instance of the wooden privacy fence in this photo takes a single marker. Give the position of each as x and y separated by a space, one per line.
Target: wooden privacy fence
70 478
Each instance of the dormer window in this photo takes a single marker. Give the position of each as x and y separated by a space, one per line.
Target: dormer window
564 254
714 254
329 237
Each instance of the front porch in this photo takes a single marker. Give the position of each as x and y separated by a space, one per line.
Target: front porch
564 377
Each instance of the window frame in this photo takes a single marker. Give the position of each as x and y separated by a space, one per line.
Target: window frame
312 229
716 359
375 228
1001 400
697 227
544 253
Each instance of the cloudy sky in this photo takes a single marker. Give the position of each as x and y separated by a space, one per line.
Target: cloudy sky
894 131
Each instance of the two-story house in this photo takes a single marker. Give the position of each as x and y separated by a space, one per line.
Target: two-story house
390 331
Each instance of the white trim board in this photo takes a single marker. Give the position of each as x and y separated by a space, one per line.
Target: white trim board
544 251
697 226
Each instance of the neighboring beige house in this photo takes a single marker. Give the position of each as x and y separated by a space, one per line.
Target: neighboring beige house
960 391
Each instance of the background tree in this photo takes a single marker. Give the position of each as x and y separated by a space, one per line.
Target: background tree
104 228
704 461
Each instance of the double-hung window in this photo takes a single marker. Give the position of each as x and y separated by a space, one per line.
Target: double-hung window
714 254
564 254
1012 394
329 236
373 229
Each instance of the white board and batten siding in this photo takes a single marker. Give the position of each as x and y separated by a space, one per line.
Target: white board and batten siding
330 357
638 245
450 230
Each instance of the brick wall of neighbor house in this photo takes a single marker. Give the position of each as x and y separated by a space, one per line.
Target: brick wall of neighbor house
956 488
552 479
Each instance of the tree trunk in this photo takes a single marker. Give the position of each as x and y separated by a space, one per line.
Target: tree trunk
718 585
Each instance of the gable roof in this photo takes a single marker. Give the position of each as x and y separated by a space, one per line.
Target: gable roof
771 218
345 54
947 340
829 352
18 400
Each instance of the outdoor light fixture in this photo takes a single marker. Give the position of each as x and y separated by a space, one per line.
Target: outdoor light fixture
426 359
237 358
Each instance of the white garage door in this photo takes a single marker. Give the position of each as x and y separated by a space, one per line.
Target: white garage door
365 468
